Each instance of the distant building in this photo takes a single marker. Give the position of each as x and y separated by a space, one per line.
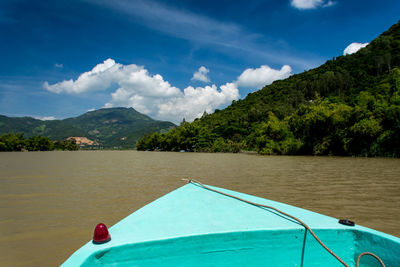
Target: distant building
83 141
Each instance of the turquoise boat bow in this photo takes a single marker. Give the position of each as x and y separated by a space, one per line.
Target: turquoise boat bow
197 225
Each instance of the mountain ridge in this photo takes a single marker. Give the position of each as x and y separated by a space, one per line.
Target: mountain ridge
108 127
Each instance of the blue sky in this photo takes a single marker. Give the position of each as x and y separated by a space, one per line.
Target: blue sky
63 58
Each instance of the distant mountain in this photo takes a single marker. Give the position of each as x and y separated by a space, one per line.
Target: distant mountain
108 127
348 106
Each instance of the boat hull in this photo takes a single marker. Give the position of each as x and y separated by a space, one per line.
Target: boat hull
193 226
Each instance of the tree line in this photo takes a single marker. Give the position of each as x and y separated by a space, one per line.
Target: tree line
17 142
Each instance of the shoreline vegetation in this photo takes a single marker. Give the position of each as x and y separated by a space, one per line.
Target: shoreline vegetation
349 106
12 143
18 142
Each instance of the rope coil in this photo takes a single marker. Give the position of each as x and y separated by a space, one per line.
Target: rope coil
193 181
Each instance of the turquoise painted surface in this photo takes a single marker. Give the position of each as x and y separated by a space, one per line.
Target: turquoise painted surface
192 226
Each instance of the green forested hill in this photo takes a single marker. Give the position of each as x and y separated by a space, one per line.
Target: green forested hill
109 127
348 106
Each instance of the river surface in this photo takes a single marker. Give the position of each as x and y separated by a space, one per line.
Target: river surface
51 201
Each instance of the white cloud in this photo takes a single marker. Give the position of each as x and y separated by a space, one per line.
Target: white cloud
262 76
46 118
194 101
148 94
189 104
58 65
153 96
99 78
311 4
201 75
328 4
353 48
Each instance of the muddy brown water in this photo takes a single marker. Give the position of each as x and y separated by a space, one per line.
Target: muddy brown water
51 201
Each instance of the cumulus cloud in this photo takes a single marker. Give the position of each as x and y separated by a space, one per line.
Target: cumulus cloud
201 75
194 101
148 94
156 97
58 65
46 118
353 48
311 4
262 76
189 104
99 78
